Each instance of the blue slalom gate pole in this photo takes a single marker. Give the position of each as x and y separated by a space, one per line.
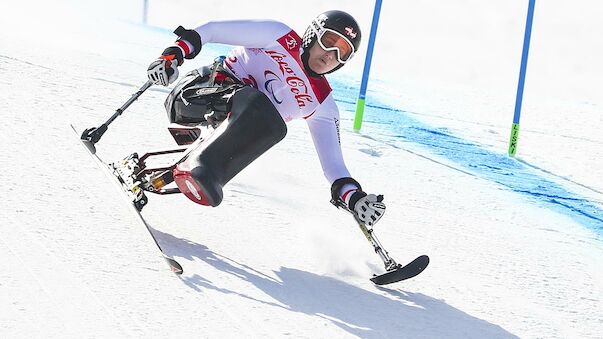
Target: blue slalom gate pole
145 10
367 67
522 78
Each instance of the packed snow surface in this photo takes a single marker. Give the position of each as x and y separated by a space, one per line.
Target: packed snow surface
515 243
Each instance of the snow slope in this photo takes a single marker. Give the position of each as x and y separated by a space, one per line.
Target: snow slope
275 259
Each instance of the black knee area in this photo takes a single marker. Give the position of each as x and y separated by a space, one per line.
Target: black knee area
252 127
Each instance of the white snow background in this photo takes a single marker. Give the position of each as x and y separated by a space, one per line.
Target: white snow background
515 244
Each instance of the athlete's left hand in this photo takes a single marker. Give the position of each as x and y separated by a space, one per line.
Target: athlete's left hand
368 208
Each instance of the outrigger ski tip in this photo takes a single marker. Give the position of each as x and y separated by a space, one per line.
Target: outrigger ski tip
394 271
400 273
85 140
88 144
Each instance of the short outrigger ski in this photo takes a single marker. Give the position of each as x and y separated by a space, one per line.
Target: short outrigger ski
394 271
400 272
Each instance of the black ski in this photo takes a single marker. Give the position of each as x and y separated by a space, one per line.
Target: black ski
107 169
400 273
394 271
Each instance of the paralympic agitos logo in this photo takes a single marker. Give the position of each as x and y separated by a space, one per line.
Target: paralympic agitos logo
297 85
269 86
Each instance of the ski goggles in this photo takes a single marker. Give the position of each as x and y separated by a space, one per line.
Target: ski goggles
331 40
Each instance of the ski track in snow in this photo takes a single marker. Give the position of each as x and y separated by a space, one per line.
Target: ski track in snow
511 255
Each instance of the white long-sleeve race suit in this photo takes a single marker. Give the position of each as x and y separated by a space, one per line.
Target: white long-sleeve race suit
269 59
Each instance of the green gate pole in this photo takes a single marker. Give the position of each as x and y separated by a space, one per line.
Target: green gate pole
367 68
522 78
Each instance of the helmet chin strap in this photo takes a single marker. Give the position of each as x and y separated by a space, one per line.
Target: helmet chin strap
306 56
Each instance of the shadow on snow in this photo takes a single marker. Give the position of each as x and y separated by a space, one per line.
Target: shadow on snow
358 311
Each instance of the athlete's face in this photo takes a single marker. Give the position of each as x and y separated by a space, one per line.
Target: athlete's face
321 61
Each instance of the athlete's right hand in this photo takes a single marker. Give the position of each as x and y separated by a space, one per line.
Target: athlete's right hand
164 70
